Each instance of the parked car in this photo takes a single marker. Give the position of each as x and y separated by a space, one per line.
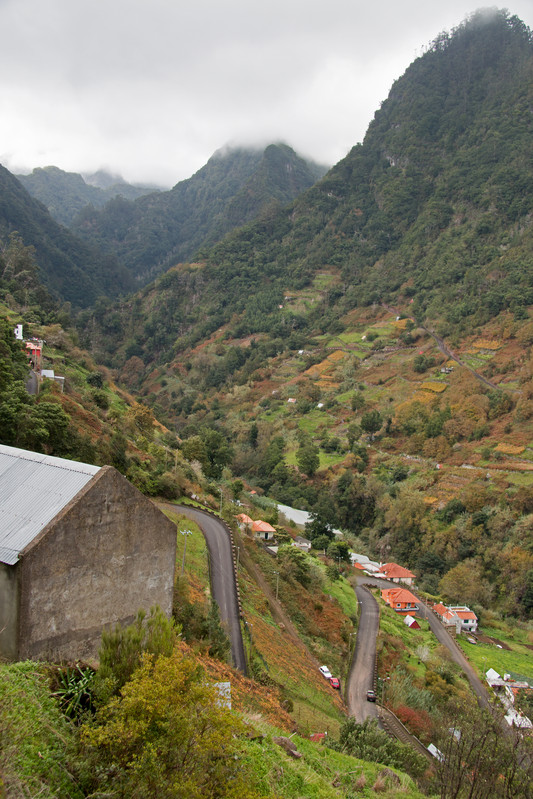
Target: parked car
335 683
325 672
371 696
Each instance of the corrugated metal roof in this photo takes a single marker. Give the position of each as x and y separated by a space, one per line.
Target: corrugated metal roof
34 488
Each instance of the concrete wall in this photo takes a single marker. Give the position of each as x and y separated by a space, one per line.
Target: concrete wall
9 607
108 554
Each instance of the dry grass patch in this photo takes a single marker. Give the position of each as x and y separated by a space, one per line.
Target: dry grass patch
424 397
434 385
400 324
509 449
487 344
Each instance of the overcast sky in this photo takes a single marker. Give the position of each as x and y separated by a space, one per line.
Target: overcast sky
151 88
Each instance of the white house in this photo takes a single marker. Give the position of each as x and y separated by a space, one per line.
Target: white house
302 543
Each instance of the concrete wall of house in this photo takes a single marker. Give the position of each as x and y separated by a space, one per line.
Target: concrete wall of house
109 553
9 611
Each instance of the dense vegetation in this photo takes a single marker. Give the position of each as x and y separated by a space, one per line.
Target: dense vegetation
160 230
69 268
65 194
434 205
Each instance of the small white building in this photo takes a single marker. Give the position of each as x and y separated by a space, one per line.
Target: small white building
302 543
263 530
458 616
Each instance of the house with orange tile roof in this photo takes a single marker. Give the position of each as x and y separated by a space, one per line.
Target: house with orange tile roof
444 614
397 574
400 599
263 530
466 616
458 616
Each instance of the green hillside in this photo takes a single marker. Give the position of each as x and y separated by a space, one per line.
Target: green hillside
234 187
70 269
65 194
391 304
362 350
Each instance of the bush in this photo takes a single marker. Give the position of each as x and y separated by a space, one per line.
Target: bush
122 648
96 379
168 734
100 398
367 742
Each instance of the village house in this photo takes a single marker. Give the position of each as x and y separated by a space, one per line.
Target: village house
81 549
401 600
397 574
263 530
458 616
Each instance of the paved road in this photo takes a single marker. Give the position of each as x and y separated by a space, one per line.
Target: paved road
223 585
362 671
361 676
444 637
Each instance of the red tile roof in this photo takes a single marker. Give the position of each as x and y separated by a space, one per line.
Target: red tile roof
392 570
262 527
398 595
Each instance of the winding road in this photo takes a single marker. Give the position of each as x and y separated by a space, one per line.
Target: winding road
361 676
222 573
443 637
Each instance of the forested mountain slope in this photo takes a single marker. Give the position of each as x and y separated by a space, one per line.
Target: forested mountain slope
434 204
366 351
65 194
234 187
71 269
432 210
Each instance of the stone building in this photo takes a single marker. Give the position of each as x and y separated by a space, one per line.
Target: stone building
80 549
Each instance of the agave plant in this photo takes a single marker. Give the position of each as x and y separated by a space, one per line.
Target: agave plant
73 690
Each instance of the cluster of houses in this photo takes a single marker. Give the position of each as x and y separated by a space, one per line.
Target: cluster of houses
458 617
383 571
34 350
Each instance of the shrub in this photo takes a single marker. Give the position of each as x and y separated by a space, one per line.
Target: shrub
96 379
122 648
168 734
367 742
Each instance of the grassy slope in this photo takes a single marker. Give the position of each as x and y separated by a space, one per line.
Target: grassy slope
38 754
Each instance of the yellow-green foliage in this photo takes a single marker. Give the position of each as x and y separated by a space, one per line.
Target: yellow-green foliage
168 734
